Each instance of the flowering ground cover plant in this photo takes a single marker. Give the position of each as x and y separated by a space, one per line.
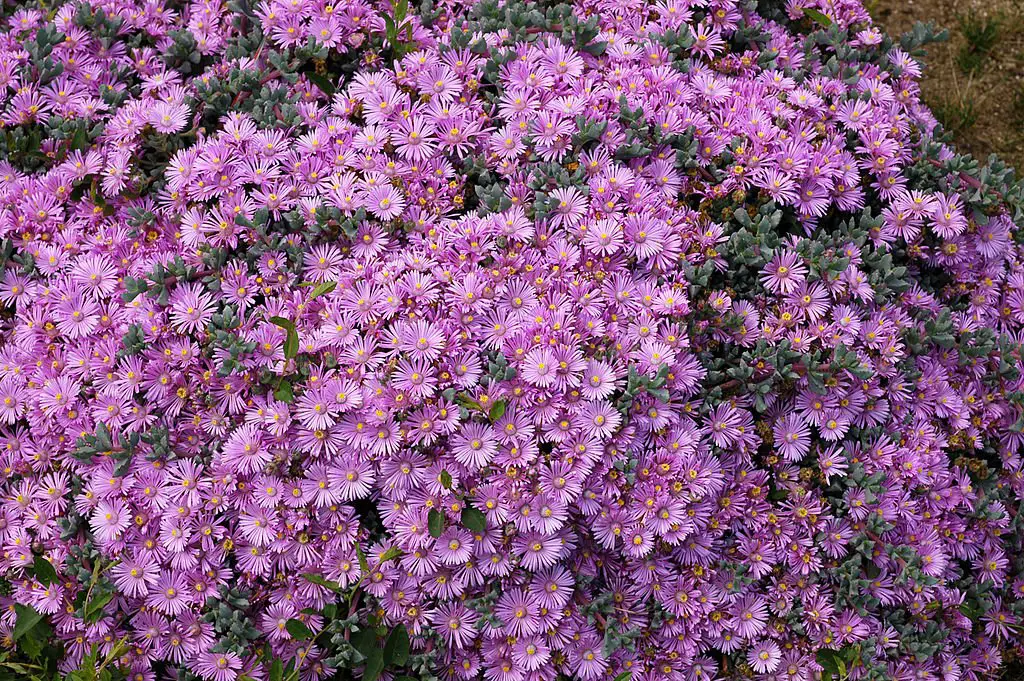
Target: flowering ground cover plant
514 341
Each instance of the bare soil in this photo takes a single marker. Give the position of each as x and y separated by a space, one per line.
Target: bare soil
974 85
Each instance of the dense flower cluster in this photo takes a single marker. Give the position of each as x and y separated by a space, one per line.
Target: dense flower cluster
674 350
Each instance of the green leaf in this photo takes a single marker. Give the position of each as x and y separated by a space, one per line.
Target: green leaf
391 554
45 572
94 607
435 523
497 410
971 610
325 85
298 630
464 400
28 618
33 643
818 17
363 564
276 670
832 664
660 394
624 676
291 342
80 140
374 665
284 392
396 648
323 581
474 520
364 641
390 29
323 288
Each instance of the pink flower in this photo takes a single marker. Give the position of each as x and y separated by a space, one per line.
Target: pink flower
218 666
385 202
784 273
764 657
109 520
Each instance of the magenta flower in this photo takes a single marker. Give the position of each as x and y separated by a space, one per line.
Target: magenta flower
455 623
134 577
109 520
686 352
385 202
792 437
784 273
218 666
169 594
764 657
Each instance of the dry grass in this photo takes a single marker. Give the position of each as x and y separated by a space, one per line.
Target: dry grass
974 83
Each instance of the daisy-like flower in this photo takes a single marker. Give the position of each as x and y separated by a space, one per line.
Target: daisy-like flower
750 616
604 238
168 117
245 450
191 308
454 546
598 380
135 576
415 139
385 201
540 367
170 594
590 662
792 437
456 624
568 207
352 479
474 446
784 273
764 657
77 316
518 613
219 666
109 520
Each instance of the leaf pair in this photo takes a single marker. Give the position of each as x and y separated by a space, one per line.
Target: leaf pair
291 341
396 25
471 519
395 652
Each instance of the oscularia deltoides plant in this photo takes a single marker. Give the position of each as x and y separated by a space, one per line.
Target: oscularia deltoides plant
501 340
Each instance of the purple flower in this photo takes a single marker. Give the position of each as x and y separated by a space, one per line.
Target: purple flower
598 361
764 657
784 273
455 623
792 437
218 666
